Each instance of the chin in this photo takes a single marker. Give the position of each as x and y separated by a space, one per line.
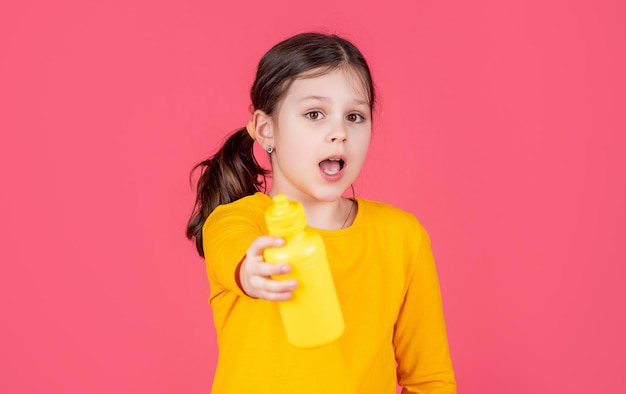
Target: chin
330 194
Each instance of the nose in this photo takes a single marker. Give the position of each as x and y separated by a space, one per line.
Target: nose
338 132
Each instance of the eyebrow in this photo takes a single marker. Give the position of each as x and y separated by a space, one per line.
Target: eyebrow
322 98
314 98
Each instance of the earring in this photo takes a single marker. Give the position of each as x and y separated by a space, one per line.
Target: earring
269 149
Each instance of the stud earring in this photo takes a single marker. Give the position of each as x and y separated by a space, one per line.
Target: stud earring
269 149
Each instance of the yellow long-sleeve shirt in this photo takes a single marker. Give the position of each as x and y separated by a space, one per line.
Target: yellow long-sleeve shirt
389 294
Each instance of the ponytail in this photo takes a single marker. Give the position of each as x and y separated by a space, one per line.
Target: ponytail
232 173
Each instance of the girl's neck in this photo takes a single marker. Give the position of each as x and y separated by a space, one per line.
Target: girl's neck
329 215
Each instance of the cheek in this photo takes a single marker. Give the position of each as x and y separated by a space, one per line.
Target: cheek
362 142
296 149
301 141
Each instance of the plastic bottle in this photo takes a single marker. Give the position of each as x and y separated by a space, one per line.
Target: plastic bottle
312 317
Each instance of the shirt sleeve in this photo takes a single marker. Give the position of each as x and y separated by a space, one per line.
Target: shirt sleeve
226 236
420 339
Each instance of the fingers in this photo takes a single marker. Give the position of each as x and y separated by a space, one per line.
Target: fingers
255 273
263 242
275 290
264 269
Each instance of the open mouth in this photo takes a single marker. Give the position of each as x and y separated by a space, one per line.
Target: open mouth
332 166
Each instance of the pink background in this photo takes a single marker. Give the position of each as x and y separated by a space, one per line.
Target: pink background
501 127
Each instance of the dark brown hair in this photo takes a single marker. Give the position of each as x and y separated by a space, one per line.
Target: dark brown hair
233 172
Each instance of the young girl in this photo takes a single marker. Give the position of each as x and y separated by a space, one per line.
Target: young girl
313 98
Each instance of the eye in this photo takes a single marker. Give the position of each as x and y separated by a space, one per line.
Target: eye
355 118
314 115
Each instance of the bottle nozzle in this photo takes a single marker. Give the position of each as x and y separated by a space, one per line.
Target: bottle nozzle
285 216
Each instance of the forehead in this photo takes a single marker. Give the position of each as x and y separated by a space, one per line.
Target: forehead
341 83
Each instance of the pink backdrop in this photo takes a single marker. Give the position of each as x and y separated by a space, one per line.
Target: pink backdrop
501 127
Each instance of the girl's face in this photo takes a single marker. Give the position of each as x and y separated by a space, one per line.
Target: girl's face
320 133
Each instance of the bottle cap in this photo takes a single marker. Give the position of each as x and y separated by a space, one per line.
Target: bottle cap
285 216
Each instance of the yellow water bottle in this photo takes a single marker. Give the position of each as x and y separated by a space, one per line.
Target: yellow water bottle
312 316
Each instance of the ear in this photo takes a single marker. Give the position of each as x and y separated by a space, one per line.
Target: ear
264 128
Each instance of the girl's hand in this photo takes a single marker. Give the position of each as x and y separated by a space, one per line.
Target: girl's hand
254 273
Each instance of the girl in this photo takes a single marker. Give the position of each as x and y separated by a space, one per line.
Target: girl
313 98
